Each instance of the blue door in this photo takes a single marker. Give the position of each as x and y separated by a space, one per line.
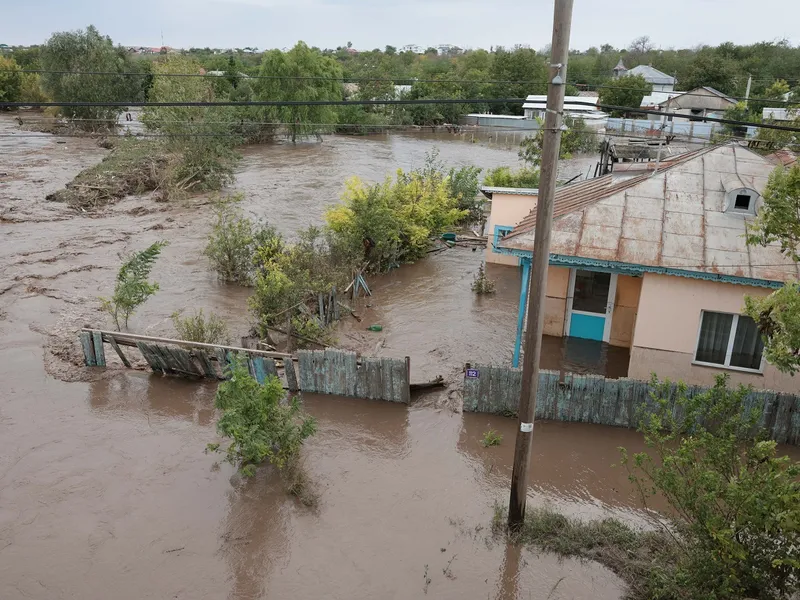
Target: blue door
592 304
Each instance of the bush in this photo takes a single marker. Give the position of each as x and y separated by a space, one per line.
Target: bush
737 501
482 284
261 426
199 328
491 438
391 223
10 80
235 240
525 177
132 288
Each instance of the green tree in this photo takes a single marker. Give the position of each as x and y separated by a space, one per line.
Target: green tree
778 315
626 91
300 74
521 72
66 54
577 138
10 80
714 71
132 289
261 425
737 501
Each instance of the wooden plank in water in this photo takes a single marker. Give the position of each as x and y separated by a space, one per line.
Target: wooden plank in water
205 362
169 362
387 393
118 350
152 359
291 375
305 373
269 368
399 381
88 349
374 385
258 370
362 379
99 351
188 366
351 375
222 360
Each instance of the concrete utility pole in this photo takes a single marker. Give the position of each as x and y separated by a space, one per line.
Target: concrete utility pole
747 93
562 21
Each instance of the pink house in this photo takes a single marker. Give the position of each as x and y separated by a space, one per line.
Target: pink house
658 264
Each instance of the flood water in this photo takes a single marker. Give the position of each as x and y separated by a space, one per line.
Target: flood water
105 490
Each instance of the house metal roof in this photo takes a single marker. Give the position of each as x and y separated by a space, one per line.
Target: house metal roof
651 74
673 219
571 103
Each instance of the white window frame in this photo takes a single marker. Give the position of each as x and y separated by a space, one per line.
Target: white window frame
729 352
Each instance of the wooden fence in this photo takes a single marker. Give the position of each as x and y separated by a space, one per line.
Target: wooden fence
324 372
618 402
339 372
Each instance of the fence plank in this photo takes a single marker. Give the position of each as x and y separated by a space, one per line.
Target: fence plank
99 351
387 391
257 366
305 370
205 362
154 363
88 349
119 352
291 375
352 375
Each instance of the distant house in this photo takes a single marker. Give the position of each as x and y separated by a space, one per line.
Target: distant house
780 114
661 82
577 107
700 102
658 264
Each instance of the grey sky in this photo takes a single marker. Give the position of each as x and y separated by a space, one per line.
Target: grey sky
375 23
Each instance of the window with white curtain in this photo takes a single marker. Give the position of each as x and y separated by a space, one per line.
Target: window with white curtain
727 340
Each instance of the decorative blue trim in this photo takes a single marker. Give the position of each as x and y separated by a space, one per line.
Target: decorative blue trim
523 302
608 266
498 229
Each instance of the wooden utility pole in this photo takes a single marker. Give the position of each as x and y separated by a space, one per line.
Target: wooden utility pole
553 120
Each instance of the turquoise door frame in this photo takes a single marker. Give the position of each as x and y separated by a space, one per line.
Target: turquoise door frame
590 325
523 303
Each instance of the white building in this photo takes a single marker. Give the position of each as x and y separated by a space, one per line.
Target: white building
577 107
661 82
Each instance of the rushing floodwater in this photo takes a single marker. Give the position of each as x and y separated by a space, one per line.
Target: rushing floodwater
105 491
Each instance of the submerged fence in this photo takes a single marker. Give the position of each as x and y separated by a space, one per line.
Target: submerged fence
324 371
618 402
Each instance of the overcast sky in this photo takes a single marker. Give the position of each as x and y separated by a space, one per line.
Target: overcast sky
372 24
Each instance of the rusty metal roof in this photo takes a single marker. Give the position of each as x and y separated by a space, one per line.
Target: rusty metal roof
675 218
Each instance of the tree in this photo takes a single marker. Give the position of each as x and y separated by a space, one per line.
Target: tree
300 74
713 71
737 501
521 72
641 45
778 315
10 80
261 426
627 92
576 139
66 54
132 289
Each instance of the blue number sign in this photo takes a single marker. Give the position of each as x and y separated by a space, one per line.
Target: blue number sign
473 373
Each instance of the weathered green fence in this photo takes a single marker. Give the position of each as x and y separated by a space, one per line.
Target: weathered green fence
338 372
594 399
324 372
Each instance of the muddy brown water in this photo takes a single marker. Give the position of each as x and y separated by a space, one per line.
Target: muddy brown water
105 490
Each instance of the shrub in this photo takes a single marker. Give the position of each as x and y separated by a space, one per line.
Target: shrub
526 177
261 426
199 328
482 284
132 288
10 80
491 438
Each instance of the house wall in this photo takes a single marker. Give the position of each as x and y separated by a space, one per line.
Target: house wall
699 99
508 210
667 325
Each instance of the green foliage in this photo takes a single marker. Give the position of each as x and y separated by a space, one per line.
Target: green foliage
31 88
391 222
482 284
234 241
199 328
10 80
779 217
261 426
576 139
778 320
711 70
463 183
300 61
491 438
526 177
626 91
778 315
67 53
132 288
201 138
738 503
